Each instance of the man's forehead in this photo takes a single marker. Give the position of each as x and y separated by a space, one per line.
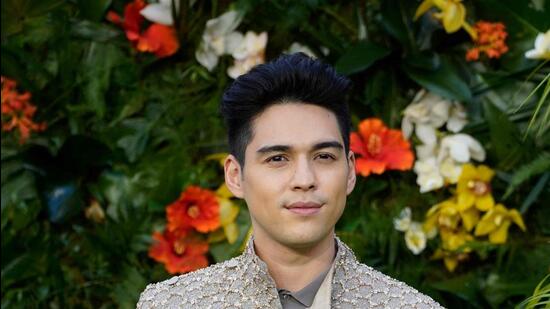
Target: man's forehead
295 124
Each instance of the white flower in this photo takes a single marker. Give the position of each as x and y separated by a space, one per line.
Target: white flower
428 112
219 38
450 170
299 48
403 221
160 12
415 238
248 54
542 47
428 176
461 148
457 118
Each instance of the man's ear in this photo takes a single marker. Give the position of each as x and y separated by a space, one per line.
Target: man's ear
233 176
351 172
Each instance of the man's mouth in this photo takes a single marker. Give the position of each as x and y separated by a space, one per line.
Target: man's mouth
304 208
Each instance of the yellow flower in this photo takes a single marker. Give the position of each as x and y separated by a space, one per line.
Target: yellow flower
228 214
442 215
496 223
448 215
474 188
452 14
451 259
220 157
456 240
415 238
454 247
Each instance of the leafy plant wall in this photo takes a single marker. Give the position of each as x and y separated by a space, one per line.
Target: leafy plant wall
111 141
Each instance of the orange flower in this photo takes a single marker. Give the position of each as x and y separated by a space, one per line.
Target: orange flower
179 254
17 111
197 208
379 148
158 39
490 40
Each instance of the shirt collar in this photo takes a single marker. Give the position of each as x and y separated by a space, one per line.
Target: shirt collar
306 295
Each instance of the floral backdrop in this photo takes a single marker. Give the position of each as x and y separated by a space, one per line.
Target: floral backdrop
112 142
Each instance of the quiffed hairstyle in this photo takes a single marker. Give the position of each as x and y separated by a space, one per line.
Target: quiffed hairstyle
289 78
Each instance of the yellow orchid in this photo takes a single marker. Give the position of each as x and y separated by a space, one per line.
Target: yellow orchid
452 14
454 248
496 223
442 215
474 187
451 259
228 214
220 157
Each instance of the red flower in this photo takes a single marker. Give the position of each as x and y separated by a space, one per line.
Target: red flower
17 111
197 208
378 148
158 39
179 254
490 40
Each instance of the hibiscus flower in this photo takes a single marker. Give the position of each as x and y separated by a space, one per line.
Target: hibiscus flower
197 208
179 253
379 148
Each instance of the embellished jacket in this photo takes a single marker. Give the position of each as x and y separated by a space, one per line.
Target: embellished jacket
244 282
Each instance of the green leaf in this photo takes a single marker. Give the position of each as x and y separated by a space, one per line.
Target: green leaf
535 192
539 165
360 57
85 29
135 142
442 79
93 10
393 17
96 74
464 286
126 292
505 137
23 267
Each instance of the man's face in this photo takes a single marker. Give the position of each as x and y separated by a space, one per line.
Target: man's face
296 175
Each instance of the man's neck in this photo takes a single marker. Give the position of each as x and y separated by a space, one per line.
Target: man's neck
293 269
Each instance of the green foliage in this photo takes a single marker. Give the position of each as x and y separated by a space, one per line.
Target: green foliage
130 131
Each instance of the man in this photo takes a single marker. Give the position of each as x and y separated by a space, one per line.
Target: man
288 127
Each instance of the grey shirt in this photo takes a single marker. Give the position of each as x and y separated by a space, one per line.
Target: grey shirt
304 297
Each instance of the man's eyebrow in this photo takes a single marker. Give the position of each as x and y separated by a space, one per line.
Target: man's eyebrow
273 148
329 144
286 148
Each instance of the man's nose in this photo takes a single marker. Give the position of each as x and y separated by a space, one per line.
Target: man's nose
304 177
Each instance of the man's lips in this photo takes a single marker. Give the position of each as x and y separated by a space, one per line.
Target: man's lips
304 208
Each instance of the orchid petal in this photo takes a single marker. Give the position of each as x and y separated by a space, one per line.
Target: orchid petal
158 13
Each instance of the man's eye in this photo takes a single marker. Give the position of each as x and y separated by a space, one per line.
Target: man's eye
325 156
278 158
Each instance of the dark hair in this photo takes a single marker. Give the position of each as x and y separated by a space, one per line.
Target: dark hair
289 78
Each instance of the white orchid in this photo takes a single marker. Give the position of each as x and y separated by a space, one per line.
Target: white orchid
299 48
248 54
461 148
403 221
415 238
542 47
428 176
161 12
428 112
450 170
219 38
